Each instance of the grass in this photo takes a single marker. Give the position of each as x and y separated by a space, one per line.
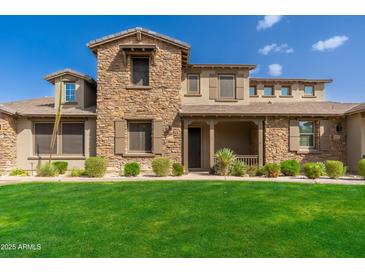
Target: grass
183 219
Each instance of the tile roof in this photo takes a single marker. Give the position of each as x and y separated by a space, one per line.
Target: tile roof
45 107
127 32
273 108
69 71
7 110
356 109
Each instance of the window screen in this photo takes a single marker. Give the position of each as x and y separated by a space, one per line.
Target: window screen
73 138
140 136
140 72
43 136
226 86
193 83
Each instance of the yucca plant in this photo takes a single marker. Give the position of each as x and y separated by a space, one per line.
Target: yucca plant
225 157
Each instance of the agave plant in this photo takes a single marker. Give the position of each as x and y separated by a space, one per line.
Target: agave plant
225 157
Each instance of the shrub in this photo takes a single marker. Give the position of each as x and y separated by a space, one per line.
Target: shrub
261 171
47 170
77 172
19 172
323 168
224 159
132 169
251 171
361 168
213 170
334 169
272 170
61 166
312 170
177 169
290 167
95 166
238 168
161 166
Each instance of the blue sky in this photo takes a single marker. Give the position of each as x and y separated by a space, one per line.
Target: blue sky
33 46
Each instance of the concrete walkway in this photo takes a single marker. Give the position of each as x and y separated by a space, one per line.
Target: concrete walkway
348 180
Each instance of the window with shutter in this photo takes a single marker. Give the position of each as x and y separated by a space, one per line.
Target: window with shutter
227 86
140 137
193 84
42 138
306 130
72 138
140 71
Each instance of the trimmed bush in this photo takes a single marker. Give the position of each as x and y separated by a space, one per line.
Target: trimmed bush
312 170
272 170
177 169
18 172
361 168
261 171
161 166
334 169
224 159
95 167
132 169
47 170
251 171
290 167
323 168
238 168
61 166
77 172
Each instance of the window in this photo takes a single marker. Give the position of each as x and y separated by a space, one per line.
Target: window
43 136
193 84
140 137
308 91
140 72
253 91
268 91
306 131
226 86
285 91
70 92
72 139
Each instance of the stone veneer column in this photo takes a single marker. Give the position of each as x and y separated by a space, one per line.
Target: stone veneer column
7 143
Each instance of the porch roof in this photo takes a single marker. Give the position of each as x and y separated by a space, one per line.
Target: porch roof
270 109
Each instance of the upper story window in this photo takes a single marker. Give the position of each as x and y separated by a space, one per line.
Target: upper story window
193 84
70 92
140 71
285 91
227 86
253 91
268 91
309 91
307 136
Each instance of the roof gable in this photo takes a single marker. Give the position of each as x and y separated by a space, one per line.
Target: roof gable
52 76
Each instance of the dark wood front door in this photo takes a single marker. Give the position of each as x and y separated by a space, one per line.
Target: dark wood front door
194 147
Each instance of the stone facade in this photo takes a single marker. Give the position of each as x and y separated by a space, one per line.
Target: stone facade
116 99
276 142
7 143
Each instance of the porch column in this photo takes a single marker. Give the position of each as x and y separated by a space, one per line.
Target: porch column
260 142
211 143
186 145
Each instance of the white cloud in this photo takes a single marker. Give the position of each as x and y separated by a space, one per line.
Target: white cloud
331 43
268 21
275 69
284 48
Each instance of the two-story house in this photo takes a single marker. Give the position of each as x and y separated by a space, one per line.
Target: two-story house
149 100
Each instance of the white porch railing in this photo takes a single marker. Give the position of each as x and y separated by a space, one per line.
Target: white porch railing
249 160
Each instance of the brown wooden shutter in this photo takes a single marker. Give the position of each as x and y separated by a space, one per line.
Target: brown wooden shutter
120 130
240 83
213 86
294 135
157 136
325 134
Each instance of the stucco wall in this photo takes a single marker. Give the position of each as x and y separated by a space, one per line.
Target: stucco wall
355 140
7 143
26 158
116 100
276 142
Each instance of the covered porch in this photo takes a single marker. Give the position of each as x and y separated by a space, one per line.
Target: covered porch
203 137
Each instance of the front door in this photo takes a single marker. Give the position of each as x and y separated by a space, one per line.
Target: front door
194 147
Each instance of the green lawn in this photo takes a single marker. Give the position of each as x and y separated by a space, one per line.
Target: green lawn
183 219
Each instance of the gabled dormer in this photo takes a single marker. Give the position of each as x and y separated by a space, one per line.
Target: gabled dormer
77 90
